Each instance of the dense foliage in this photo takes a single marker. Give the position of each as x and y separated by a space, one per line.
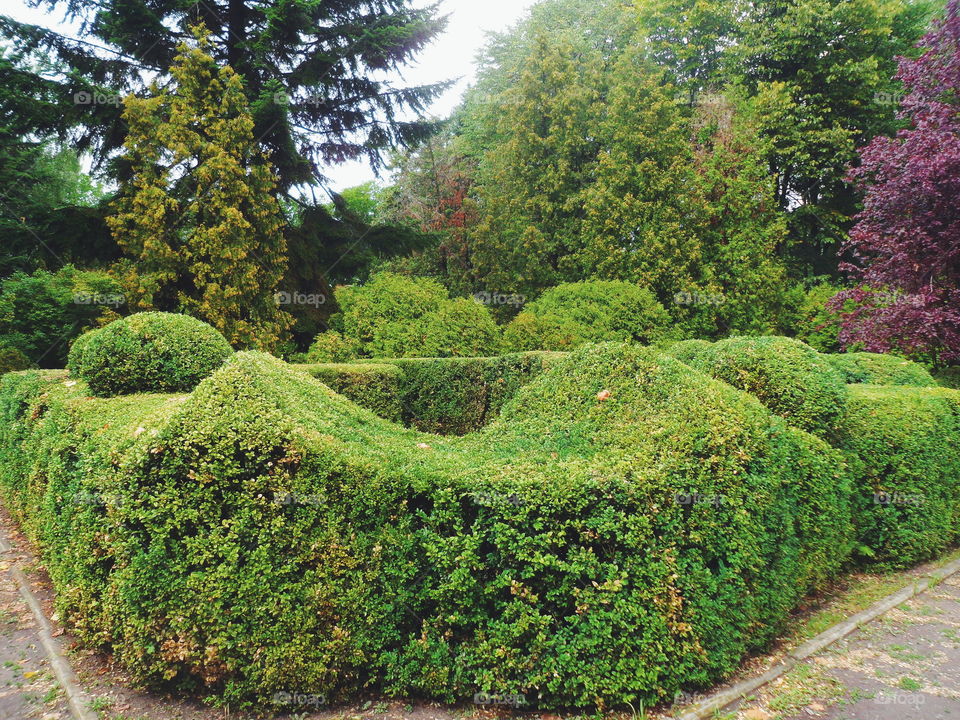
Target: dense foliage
149 352
905 240
876 369
208 242
572 314
41 313
395 316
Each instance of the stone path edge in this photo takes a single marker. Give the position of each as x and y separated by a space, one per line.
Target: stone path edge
708 707
76 699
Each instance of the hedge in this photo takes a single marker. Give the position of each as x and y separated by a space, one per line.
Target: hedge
447 396
791 378
877 369
626 526
375 386
149 352
903 446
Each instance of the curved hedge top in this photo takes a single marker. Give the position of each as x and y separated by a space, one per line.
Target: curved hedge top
788 376
878 369
148 352
286 540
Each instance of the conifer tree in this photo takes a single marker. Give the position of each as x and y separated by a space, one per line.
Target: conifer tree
198 218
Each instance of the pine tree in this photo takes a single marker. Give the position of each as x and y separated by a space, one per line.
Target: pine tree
312 71
198 216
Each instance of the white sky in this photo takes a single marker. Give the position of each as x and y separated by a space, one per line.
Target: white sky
450 56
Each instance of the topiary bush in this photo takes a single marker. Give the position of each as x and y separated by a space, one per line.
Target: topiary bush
626 526
12 360
877 369
572 314
375 386
686 350
397 316
447 396
149 352
332 347
903 447
791 378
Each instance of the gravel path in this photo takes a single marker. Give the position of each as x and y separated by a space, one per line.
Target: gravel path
903 666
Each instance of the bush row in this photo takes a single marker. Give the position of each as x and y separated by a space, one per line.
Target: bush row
446 396
627 525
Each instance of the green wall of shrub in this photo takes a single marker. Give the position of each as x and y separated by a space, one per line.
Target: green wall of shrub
877 369
623 526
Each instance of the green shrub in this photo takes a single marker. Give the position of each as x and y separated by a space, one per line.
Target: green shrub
12 359
948 377
75 357
446 396
397 316
789 377
686 350
150 352
877 369
377 387
41 313
331 347
572 314
903 445
814 323
628 525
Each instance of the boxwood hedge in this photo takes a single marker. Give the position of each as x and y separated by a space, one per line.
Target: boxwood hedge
877 369
149 352
903 447
447 396
789 377
626 526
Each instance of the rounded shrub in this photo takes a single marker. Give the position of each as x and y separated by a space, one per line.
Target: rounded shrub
150 352
331 347
686 350
878 369
903 450
571 314
12 359
789 377
77 349
457 328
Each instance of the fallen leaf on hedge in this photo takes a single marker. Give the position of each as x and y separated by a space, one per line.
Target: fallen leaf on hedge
70 383
423 446
603 395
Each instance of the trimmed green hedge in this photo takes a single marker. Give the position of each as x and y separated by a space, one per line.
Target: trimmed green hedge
903 446
375 386
877 369
791 378
446 396
627 526
149 352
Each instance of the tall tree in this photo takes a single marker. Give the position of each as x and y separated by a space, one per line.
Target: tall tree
312 71
821 71
906 243
198 216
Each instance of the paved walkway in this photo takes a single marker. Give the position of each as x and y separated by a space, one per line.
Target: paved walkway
905 665
28 688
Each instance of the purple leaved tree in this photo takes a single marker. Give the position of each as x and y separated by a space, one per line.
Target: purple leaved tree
905 246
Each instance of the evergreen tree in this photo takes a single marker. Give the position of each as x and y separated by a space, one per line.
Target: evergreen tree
641 214
310 70
198 216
